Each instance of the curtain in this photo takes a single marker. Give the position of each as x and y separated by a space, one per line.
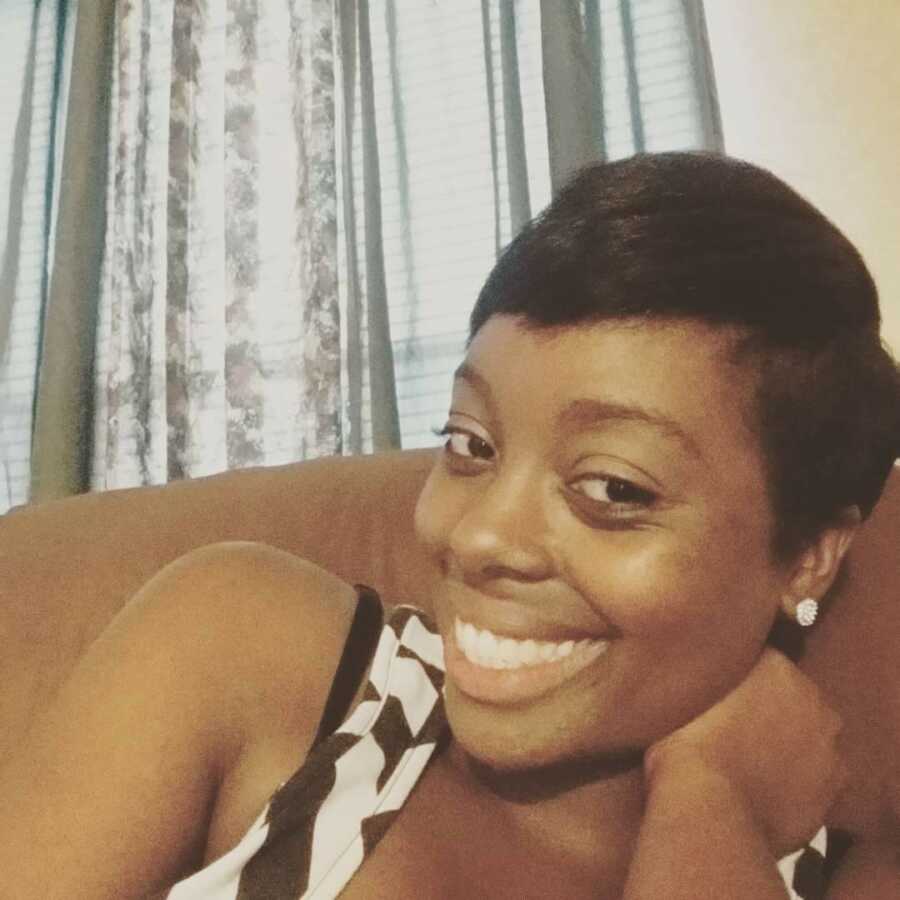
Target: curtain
71 280
36 40
271 217
482 109
219 339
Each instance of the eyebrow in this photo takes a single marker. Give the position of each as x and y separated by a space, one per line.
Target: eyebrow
466 372
586 412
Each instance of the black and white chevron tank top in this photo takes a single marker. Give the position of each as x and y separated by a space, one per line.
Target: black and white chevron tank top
319 826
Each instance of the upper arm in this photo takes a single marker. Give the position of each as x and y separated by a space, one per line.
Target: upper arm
111 792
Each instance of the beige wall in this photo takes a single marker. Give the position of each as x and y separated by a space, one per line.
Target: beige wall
811 90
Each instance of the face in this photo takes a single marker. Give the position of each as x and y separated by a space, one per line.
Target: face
599 518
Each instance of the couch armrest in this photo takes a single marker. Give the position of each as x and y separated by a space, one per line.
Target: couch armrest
69 565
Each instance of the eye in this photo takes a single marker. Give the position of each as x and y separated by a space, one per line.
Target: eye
465 444
611 491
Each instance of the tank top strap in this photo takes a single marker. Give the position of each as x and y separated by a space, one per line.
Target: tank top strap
359 647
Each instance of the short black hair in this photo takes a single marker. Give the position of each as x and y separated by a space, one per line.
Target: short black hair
704 237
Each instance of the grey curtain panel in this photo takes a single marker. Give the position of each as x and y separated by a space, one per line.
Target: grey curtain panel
368 319
50 239
64 392
264 221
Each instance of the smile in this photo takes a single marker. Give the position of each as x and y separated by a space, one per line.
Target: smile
504 671
488 650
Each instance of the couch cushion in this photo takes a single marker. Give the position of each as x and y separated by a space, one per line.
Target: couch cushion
69 565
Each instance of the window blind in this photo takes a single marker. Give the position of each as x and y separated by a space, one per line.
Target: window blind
430 83
29 119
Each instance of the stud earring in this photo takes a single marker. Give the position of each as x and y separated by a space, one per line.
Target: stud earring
806 612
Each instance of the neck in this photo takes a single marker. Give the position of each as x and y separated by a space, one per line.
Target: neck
587 811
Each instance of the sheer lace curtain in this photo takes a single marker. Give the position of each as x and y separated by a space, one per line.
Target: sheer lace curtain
294 204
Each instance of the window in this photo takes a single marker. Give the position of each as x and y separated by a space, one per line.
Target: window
462 152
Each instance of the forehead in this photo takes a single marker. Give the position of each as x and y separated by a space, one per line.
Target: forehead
671 376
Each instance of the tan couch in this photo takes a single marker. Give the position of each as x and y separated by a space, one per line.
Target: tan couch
68 566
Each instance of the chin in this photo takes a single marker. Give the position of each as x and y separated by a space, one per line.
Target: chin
507 759
492 740
499 741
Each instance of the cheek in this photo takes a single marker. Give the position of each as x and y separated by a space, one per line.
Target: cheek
690 631
649 585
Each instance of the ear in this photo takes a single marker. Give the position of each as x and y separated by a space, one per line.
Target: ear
817 566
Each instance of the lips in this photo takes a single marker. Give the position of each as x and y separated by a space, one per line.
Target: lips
501 670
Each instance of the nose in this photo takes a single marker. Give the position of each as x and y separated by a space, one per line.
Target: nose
502 532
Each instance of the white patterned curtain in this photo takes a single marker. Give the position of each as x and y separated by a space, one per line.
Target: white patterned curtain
219 334
302 199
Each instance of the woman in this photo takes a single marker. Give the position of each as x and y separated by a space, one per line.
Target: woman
673 413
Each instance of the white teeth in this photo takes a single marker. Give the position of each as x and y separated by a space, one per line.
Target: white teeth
527 650
486 649
548 651
507 652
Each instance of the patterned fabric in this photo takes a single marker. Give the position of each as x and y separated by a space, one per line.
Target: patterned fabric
321 824
219 335
804 871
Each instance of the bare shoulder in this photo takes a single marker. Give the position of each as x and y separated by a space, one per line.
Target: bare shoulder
114 788
264 626
274 627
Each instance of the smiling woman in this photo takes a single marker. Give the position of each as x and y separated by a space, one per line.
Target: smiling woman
673 414
633 532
